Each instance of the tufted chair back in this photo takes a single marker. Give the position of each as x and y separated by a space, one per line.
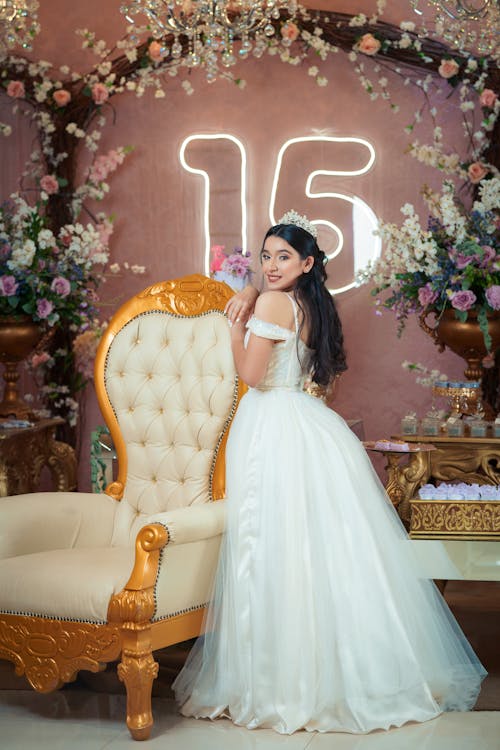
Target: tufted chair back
167 386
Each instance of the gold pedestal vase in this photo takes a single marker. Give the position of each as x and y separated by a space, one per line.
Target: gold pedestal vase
19 335
465 339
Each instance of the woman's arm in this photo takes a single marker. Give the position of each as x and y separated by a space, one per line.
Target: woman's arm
252 362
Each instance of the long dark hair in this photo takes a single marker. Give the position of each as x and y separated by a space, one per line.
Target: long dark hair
325 329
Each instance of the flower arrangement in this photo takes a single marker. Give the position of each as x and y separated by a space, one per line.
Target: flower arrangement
49 277
70 109
232 268
453 264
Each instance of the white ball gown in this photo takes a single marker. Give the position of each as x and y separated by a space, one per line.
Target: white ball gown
320 619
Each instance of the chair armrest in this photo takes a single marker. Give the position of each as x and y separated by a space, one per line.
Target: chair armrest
42 521
193 523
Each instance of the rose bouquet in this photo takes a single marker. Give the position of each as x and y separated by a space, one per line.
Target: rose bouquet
453 264
233 268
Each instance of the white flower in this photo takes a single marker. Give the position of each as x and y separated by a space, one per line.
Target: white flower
46 239
22 256
312 71
322 81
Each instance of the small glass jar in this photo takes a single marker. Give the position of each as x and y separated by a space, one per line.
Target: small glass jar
496 428
409 425
478 428
454 427
430 426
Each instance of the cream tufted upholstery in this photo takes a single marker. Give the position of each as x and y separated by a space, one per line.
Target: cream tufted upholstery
170 381
85 578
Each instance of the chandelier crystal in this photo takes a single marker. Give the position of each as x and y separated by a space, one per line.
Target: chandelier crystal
468 24
18 24
211 28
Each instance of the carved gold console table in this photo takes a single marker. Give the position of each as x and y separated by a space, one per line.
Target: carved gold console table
460 459
24 451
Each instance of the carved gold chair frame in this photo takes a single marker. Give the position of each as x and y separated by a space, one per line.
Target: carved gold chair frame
50 652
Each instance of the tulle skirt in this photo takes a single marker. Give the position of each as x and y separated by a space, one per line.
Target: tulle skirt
320 618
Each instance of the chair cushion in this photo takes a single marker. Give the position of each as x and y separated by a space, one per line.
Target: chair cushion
55 520
73 584
77 584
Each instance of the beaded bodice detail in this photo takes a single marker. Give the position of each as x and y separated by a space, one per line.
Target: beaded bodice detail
290 357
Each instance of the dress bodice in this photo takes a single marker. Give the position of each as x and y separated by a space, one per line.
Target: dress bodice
290 357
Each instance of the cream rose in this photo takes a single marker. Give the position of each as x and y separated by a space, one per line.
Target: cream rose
15 89
487 98
476 172
49 184
290 31
448 68
154 51
61 97
368 44
100 93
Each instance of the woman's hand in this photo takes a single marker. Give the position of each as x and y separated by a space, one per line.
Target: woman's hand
241 306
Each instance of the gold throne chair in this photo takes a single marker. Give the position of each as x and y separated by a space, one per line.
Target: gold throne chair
87 579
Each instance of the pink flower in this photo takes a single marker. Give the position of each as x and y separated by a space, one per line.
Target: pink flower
100 93
462 261
426 295
43 308
489 254
49 184
61 286
15 89
463 300
155 51
493 297
368 44
8 286
61 97
39 359
105 230
476 172
448 68
290 31
105 164
218 258
487 98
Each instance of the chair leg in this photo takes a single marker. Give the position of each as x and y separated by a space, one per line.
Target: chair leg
137 670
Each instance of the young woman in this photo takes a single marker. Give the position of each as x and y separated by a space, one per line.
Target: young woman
319 618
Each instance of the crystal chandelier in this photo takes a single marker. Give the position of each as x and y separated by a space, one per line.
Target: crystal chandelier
211 28
468 24
18 24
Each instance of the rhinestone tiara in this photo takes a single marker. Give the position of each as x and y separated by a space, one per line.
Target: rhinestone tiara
292 217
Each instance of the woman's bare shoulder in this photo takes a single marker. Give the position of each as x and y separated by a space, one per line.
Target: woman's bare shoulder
274 307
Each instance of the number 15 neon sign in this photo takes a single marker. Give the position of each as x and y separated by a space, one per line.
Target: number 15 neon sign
358 218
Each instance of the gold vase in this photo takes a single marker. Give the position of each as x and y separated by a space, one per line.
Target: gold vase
465 339
19 335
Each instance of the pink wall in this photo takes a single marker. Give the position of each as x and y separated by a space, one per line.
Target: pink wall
158 205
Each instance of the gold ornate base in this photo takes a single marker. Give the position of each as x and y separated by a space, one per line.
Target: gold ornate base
455 519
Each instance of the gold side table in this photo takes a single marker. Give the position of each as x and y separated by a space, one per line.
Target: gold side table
25 451
454 459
